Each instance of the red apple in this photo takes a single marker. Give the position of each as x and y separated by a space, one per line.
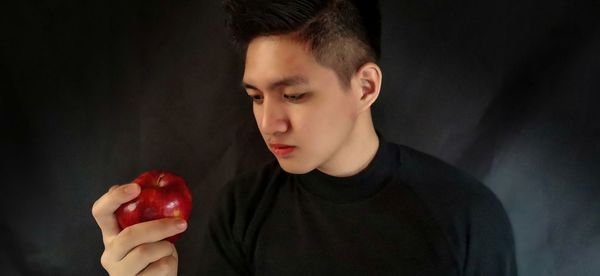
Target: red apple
163 195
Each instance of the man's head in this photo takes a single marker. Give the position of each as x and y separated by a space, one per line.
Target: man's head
311 73
341 34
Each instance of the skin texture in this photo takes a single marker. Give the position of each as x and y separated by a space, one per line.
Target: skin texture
331 128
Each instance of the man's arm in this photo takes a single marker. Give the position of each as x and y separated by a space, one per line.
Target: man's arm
490 248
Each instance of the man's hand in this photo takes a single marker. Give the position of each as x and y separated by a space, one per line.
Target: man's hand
138 249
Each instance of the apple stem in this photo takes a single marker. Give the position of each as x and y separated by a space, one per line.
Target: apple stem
159 178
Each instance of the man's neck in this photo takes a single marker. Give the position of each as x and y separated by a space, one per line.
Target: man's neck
358 151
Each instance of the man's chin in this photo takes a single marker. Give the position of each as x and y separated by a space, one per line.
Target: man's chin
294 167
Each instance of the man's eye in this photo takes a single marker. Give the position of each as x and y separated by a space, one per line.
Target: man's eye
294 98
256 98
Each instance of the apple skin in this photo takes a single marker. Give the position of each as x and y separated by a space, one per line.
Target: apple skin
163 195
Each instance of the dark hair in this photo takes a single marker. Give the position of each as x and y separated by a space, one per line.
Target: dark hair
342 34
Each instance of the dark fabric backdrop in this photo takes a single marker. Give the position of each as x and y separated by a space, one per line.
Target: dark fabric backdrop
92 94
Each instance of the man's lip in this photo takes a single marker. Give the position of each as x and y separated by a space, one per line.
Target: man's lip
280 146
282 150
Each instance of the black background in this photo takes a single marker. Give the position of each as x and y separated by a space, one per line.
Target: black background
92 94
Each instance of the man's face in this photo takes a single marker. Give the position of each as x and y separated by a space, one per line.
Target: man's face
303 113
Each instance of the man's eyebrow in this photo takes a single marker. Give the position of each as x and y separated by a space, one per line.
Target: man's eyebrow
284 82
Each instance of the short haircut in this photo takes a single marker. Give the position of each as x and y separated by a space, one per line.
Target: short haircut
341 34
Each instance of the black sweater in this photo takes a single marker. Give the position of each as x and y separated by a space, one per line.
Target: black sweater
407 213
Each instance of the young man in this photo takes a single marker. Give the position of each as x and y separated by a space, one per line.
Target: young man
338 200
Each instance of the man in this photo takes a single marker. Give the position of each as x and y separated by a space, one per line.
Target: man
339 200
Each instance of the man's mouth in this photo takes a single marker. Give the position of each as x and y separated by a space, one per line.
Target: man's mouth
281 150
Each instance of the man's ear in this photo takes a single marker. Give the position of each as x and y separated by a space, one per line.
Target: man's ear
368 83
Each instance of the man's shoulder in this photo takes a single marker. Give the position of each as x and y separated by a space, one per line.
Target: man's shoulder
426 172
426 167
449 191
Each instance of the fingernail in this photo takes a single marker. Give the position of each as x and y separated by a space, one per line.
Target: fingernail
131 188
181 225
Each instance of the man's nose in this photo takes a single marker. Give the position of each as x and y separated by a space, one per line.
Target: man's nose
274 118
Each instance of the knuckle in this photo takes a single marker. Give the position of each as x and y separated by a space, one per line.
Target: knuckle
160 248
167 246
143 250
166 264
172 261
104 260
96 208
110 247
129 232
172 248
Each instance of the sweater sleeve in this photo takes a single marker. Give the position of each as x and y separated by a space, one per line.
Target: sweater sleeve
490 248
221 252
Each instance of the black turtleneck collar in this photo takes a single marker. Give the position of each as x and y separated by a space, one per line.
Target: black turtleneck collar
353 188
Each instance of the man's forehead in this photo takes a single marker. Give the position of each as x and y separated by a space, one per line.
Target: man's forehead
277 56
281 82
